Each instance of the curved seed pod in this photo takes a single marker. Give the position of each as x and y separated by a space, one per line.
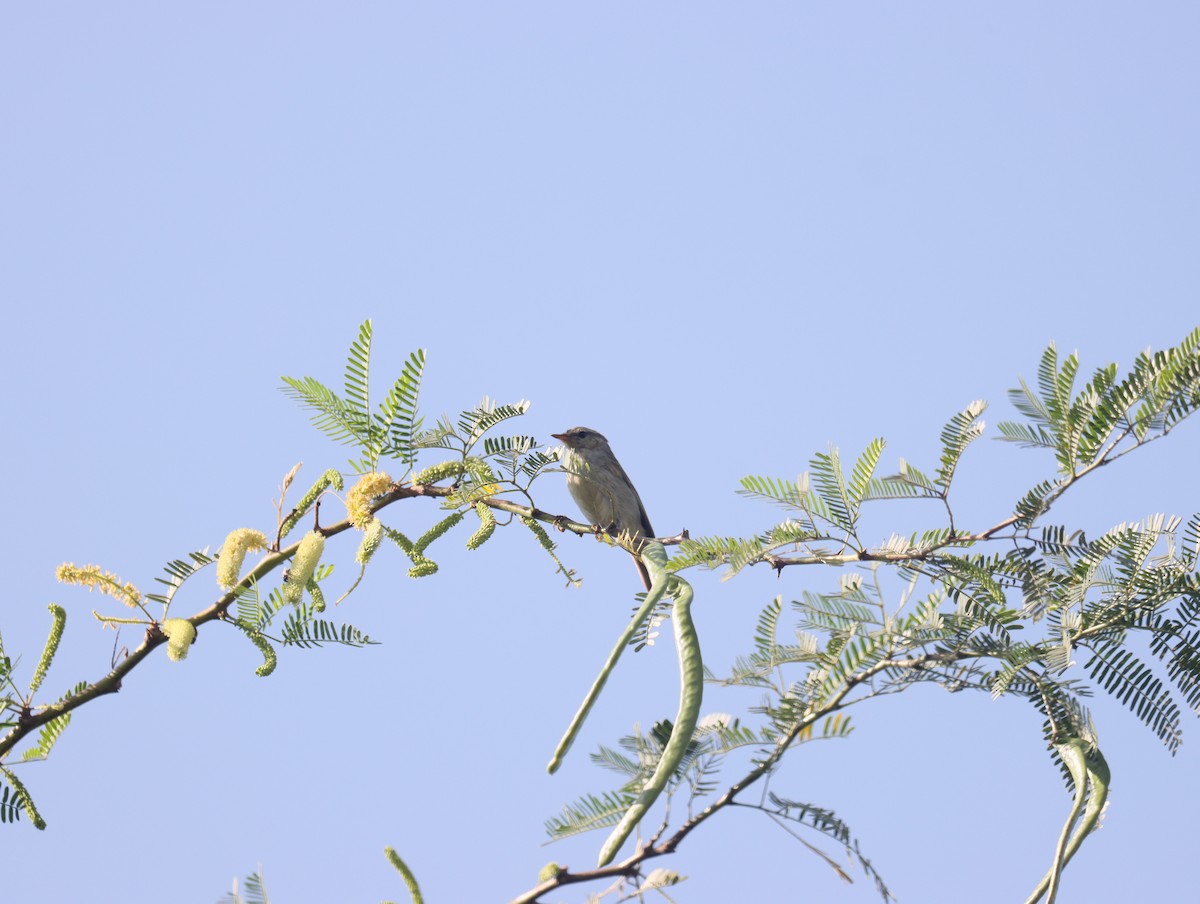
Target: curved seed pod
656 558
1090 774
691 676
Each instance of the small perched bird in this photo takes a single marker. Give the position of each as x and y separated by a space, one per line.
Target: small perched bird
602 489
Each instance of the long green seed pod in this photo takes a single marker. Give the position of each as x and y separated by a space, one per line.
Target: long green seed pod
691 679
59 615
1090 773
657 589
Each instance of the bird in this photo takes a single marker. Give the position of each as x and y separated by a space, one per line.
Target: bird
602 489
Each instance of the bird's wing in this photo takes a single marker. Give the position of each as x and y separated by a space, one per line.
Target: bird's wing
647 530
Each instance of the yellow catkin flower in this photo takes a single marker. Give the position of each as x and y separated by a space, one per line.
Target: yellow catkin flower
358 500
549 871
318 598
330 478
410 880
539 532
399 539
304 563
440 471
233 553
59 616
437 530
487 526
422 568
269 658
181 633
372 537
95 578
30 808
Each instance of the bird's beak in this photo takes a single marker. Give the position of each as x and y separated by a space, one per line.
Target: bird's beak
561 437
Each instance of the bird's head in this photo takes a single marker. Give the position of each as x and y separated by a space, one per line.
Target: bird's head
582 438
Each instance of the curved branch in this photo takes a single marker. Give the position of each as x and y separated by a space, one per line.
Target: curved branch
29 721
631 867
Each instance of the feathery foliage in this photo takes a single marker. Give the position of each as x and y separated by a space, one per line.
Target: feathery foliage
1038 611
389 431
1047 614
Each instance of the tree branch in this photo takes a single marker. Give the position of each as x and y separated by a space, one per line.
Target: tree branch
29 721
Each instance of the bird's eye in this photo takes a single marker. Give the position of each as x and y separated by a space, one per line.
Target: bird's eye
582 434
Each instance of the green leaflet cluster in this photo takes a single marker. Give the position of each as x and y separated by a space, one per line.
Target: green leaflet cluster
1022 607
478 478
482 468
15 799
387 432
1035 610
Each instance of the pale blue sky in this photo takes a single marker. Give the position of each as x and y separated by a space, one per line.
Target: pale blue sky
724 234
